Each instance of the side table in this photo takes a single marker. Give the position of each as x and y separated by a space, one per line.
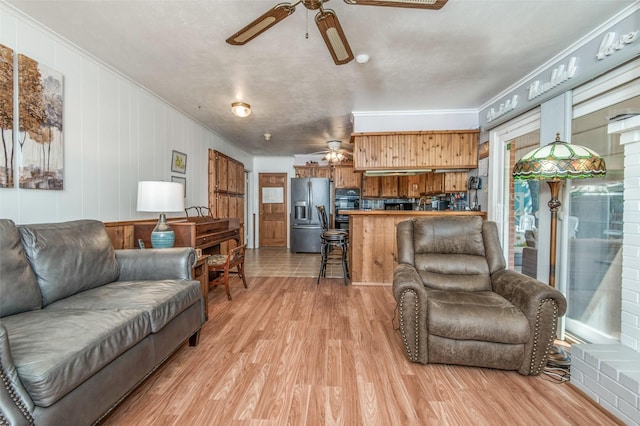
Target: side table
201 273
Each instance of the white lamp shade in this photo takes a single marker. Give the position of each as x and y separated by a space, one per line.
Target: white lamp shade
156 196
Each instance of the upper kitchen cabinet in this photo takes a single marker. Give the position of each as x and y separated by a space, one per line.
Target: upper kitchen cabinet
344 176
455 181
454 149
371 186
389 186
412 186
380 186
313 171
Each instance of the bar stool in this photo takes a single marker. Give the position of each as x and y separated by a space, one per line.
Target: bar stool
330 239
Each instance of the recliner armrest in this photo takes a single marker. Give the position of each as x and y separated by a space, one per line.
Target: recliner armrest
541 304
411 296
406 276
156 264
525 292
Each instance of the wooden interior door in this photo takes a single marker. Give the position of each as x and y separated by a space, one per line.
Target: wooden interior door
273 209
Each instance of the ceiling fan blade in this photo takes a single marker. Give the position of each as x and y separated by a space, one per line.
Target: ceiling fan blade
417 4
262 24
334 37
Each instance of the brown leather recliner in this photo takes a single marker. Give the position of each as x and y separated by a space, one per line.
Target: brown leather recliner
458 304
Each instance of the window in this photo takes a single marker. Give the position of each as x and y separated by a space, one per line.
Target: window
594 255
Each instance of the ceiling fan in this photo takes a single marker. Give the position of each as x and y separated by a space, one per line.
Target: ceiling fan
326 20
334 154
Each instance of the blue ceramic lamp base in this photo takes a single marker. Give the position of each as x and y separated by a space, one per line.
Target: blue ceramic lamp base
162 235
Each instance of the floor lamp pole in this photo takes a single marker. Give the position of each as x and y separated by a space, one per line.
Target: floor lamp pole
557 356
554 204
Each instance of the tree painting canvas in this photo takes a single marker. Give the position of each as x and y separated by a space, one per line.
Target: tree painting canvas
40 139
6 117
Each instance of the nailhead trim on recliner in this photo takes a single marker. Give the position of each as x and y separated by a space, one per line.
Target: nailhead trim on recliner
15 398
412 356
533 368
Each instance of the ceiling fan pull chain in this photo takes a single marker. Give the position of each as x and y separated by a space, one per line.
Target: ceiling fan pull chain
306 34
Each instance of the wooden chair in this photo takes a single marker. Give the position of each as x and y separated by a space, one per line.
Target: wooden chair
198 211
223 265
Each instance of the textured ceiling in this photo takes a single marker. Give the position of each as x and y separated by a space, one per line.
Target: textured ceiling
459 57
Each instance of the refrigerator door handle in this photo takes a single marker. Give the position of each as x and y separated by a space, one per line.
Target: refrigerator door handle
309 199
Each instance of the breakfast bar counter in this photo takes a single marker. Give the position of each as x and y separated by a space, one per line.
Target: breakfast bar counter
372 241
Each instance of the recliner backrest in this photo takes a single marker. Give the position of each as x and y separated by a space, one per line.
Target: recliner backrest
451 252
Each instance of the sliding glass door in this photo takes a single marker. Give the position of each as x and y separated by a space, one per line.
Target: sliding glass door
594 260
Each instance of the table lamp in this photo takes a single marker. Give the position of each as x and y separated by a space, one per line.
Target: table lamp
161 197
554 163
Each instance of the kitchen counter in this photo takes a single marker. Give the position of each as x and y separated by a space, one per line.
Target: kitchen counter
372 241
411 212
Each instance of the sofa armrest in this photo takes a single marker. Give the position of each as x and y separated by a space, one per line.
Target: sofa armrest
16 405
411 297
156 264
541 304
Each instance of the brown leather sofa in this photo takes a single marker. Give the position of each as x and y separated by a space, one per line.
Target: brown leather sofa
458 304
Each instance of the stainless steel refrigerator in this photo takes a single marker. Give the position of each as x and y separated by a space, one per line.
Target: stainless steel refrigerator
306 194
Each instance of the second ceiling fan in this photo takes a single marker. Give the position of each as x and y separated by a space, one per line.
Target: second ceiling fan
326 20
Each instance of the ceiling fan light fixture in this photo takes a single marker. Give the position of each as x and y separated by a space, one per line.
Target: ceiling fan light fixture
334 37
334 145
335 157
241 109
417 4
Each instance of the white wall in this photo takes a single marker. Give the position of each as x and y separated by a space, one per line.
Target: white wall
115 133
397 121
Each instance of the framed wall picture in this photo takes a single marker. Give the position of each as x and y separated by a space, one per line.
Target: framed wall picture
178 162
40 124
181 180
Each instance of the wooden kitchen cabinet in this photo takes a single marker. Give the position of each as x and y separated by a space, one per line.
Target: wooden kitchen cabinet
412 186
434 184
371 186
455 181
313 171
389 186
344 176
415 150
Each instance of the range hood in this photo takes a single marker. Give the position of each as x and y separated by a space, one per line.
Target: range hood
395 172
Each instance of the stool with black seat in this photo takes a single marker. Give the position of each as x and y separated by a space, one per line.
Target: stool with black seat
330 239
224 263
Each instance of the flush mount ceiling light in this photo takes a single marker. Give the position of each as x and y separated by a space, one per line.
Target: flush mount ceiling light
326 20
241 109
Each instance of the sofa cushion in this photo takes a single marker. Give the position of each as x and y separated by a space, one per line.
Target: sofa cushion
56 350
19 289
483 316
162 300
69 257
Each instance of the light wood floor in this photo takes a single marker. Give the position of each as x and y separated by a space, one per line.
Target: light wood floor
286 351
